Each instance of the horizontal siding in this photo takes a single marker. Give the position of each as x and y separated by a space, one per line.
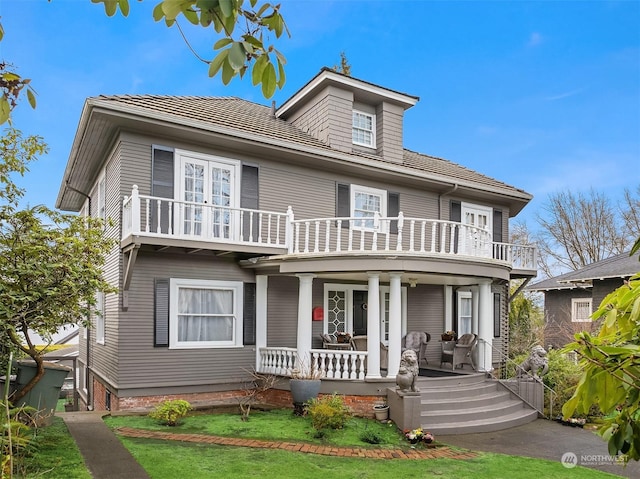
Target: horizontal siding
143 365
425 312
282 311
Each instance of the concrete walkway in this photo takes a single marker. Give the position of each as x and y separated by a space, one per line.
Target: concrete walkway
545 439
103 453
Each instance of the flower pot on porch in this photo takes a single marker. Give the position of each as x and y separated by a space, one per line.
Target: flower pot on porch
381 412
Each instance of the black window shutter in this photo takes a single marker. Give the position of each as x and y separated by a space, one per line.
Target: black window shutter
455 214
161 313
249 309
249 199
161 187
497 226
393 208
496 315
343 202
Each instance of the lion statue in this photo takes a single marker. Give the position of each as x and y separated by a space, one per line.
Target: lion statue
408 371
537 363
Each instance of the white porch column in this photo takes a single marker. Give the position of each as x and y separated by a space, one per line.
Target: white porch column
395 324
485 327
261 315
304 316
373 325
448 308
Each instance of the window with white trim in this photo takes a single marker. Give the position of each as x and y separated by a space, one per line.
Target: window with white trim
364 127
205 314
98 317
465 312
365 203
580 310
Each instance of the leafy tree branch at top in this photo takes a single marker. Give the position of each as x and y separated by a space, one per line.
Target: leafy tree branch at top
243 45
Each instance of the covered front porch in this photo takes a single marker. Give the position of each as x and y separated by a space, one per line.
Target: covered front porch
332 303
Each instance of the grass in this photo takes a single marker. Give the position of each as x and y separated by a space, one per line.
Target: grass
171 459
55 455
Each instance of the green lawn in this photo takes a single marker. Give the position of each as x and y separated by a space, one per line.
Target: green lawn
175 460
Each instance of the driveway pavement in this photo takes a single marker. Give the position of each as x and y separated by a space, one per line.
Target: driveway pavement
547 440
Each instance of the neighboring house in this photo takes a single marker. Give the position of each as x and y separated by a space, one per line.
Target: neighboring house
247 231
571 298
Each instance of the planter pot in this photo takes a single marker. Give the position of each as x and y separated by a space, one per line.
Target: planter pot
381 412
304 389
68 407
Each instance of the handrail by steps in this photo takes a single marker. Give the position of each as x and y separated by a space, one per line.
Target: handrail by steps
511 365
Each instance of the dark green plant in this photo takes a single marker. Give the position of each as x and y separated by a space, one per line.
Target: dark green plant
170 412
328 412
371 437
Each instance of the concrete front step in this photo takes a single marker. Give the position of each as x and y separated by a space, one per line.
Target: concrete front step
497 410
470 403
489 398
518 418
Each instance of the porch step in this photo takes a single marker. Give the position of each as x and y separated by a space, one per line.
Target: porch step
470 403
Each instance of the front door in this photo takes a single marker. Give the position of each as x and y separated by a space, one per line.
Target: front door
360 300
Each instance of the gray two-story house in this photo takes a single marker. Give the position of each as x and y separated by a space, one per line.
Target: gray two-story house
247 231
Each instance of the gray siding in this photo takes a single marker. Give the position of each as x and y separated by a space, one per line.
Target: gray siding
140 361
425 312
389 132
282 311
559 329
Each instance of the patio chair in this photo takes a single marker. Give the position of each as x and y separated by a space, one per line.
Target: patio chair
463 350
417 340
326 340
359 343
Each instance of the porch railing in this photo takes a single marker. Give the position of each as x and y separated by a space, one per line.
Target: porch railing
509 374
334 364
154 216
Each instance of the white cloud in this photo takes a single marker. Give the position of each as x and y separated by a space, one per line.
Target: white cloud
535 39
567 94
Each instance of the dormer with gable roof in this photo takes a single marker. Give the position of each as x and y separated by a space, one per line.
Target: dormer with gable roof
350 115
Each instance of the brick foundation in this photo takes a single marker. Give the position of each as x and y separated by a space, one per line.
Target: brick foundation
361 406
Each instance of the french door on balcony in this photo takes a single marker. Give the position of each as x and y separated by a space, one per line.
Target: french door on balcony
208 190
478 228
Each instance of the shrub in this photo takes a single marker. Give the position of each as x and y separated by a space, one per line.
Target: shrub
328 412
371 437
170 412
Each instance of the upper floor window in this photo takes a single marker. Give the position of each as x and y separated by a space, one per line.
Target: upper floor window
364 126
365 203
580 309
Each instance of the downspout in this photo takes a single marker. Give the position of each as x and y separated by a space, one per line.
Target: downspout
87 365
445 193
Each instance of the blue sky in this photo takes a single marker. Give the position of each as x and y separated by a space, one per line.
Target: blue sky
542 95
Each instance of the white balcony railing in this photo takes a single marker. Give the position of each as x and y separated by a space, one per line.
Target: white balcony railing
163 217
153 216
334 364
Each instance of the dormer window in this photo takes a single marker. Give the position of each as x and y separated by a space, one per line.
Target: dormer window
364 125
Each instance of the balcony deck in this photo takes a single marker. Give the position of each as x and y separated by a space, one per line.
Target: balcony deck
169 222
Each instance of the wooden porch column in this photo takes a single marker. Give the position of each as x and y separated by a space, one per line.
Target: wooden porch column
373 325
485 327
304 316
395 323
261 315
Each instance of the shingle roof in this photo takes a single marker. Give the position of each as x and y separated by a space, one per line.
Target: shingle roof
242 115
618 266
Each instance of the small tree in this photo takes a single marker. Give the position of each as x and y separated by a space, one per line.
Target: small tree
50 263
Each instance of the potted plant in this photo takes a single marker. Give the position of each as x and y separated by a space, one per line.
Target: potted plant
449 336
68 405
304 383
381 411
